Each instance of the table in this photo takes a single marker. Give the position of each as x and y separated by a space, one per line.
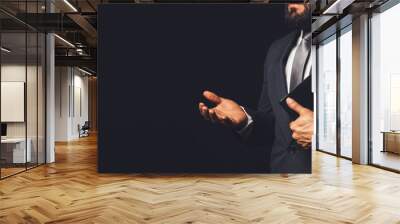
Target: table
13 150
391 141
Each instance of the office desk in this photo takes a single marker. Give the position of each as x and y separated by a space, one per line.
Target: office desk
13 150
391 141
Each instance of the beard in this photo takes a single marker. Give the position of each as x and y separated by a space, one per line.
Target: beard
295 21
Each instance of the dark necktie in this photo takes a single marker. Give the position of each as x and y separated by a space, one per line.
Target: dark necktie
300 61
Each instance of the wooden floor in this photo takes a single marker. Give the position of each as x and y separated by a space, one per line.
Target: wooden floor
387 159
5 172
71 191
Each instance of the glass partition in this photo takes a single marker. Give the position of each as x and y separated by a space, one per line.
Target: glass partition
41 97
32 95
14 153
35 89
22 90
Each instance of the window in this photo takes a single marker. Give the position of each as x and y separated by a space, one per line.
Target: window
327 96
385 89
345 92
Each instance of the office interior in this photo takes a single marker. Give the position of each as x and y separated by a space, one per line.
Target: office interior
39 109
335 62
48 89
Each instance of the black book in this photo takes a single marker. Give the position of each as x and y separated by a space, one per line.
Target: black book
303 95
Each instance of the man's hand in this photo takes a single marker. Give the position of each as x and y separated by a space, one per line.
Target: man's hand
226 111
303 126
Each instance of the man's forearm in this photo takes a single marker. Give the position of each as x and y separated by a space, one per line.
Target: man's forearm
245 131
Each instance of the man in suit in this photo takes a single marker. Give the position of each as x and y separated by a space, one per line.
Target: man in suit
287 64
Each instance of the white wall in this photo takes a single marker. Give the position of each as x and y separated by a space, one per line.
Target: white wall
80 112
71 102
62 81
16 72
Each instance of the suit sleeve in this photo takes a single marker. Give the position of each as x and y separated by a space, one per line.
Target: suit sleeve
261 130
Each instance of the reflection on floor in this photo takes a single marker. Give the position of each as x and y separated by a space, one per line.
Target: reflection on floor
8 170
71 191
387 159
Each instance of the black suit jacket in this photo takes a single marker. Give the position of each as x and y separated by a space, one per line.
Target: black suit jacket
271 121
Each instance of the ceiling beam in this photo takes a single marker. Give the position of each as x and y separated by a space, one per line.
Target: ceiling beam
83 61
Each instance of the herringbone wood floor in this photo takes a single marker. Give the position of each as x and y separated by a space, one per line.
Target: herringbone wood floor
71 191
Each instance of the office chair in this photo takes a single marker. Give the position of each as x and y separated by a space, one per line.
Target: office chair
84 130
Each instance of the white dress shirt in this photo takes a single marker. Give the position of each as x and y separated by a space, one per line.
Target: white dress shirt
289 63
288 70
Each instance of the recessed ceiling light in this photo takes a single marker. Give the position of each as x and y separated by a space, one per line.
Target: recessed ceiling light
337 7
70 5
84 71
64 40
5 50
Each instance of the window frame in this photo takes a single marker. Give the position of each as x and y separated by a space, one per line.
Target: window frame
336 36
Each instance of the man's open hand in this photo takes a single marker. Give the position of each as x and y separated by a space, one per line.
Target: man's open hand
303 126
226 111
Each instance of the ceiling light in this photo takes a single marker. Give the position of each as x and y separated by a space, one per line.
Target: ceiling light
84 71
70 5
65 41
332 8
5 50
337 7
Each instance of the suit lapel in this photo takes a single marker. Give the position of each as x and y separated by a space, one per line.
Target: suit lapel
280 85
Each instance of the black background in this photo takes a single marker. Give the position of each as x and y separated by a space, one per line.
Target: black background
155 61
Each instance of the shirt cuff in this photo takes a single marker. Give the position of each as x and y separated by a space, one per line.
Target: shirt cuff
246 128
